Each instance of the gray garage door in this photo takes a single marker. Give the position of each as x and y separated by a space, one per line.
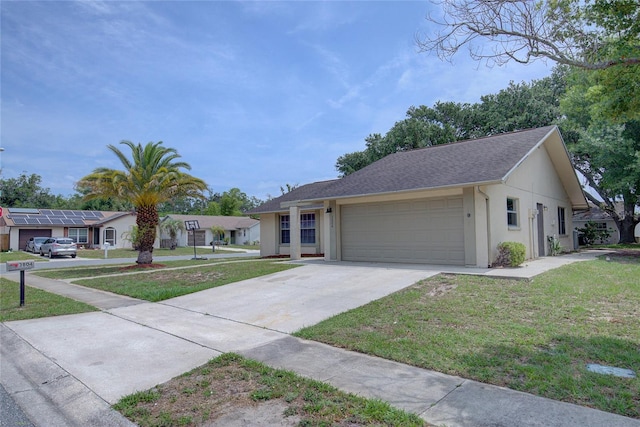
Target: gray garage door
25 235
200 238
416 231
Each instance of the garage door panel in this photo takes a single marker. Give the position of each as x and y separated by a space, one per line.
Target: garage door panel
423 231
25 234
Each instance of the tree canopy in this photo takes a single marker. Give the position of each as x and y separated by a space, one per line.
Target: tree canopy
519 106
26 191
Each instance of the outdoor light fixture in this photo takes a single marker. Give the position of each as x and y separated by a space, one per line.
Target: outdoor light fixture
329 210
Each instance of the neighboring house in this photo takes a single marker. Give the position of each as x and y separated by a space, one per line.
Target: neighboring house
602 220
90 229
445 204
239 229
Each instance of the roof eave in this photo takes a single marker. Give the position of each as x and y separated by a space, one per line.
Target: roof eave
412 190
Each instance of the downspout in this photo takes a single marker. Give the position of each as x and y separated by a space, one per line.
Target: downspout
486 201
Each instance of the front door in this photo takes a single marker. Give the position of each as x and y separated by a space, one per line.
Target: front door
541 241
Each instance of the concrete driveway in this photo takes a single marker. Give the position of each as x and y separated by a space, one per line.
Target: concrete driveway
134 347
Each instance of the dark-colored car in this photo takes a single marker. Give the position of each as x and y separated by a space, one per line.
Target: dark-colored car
58 246
33 244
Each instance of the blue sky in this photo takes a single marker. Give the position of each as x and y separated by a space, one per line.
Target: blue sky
253 95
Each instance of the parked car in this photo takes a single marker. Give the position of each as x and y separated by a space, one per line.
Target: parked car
58 246
33 244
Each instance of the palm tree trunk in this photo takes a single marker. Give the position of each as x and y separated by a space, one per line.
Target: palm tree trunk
147 220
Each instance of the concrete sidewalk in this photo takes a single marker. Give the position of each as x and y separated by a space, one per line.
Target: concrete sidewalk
67 370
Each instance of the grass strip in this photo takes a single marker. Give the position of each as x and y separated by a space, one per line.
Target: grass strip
535 336
231 382
96 271
159 285
38 303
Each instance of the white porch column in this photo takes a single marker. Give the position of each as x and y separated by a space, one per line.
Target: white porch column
294 232
329 231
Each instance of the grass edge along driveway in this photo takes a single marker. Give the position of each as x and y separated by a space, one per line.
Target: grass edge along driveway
160 284
534 336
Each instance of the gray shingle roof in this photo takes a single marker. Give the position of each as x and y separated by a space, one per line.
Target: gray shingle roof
466 162
482 160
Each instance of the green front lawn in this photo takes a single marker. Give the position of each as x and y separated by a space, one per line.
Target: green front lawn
535 336
157 285
20 256
38 303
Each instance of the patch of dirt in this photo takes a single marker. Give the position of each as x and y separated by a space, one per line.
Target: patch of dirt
270 413
625 256
228 394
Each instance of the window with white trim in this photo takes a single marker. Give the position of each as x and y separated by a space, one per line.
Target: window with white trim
512 213
285 229
562 223
308 228
79 235
110 236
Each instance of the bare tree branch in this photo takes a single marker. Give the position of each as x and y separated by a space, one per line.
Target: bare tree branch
570 32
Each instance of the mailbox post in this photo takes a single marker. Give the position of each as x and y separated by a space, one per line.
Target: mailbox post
20 266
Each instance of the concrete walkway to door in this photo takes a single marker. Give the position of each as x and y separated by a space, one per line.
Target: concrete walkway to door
67 370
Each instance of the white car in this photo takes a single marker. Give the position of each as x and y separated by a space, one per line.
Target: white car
33 244
58 246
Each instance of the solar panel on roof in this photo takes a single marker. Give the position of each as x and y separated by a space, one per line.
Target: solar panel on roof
20 221
77 221
46 221
68 213
57 214
45 211
57 221
23 211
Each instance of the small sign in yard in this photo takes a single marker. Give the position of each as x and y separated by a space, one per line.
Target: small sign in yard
20 265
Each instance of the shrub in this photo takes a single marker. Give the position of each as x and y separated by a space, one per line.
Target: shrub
592 234
510 254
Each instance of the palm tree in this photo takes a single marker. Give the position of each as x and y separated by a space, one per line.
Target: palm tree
171 226
152 176
218 233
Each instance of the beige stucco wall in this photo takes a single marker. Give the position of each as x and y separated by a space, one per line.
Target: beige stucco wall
534 181
122 225
268 234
